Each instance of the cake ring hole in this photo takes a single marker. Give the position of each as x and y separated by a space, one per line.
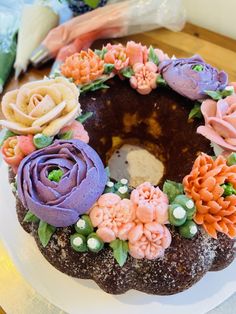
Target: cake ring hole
137 162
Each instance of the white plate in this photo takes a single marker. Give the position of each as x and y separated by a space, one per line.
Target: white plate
83 296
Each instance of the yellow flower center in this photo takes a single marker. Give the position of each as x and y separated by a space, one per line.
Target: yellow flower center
10 152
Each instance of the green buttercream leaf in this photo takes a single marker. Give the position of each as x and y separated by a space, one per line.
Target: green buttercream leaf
55 175
127 72
231 160
30 217
227 92
172 189
84 117
4 135
228 189
152 56
41 140
66 136
98 84
92 3
101 53
108 68
216 95
196 111
120 251
45 232
161 81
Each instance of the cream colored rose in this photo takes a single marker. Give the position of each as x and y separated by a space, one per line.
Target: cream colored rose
43 106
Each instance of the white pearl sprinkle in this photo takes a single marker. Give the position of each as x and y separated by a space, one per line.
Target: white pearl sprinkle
124 181
77 241
38 135
110 184
193 230
229 88
123 189
80 224
92 243
189 204
179 212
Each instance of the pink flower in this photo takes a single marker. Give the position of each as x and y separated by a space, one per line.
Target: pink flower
116 55
136 53
220 122
15 149
144 78
151 204
161 55
78 131
113 217
148 240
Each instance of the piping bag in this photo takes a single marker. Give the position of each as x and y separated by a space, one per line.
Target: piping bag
9 22
111 21
36 21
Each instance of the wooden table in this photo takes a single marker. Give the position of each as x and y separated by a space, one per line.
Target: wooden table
218 50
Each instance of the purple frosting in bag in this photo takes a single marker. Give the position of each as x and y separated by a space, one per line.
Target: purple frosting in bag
190 77
61 203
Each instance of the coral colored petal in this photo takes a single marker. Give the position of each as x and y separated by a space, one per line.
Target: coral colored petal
106 234
210 230
26 144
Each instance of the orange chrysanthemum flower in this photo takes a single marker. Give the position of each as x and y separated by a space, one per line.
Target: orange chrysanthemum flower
83 67
215 212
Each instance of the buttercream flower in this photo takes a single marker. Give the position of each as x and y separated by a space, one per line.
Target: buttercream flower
144 78
161 55
136 53
148 240
191 77
77 131
15 148
83 67
151 204
220 122
215 211
116 54
60 182
113 217
41 107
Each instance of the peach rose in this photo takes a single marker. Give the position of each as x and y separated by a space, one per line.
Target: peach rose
112 216
78 131
116 54
151 204
136 53
15 149
220 122
144 78
41 107
148 240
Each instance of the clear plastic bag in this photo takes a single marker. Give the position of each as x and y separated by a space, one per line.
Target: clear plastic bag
145 15
117 19
9 22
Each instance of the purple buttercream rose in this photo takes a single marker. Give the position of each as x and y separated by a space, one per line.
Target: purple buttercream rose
61 202
190 77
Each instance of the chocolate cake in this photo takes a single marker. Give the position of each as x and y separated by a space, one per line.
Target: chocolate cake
126 228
